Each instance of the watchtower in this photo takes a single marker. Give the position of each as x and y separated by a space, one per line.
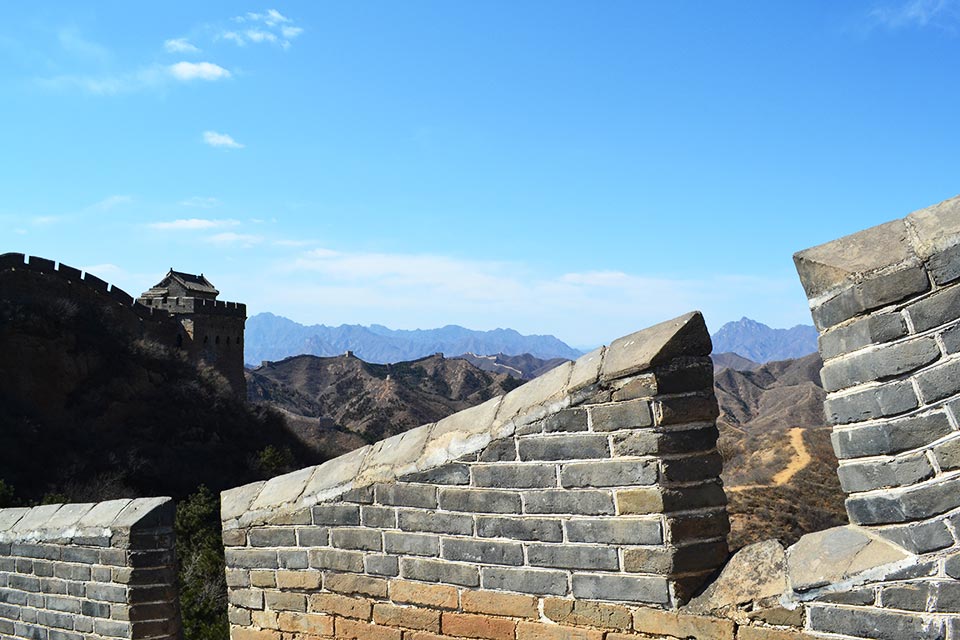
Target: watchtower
211 330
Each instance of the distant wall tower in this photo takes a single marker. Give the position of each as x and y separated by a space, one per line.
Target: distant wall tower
211 330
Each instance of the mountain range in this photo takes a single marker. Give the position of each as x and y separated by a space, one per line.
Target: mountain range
271 337
758 342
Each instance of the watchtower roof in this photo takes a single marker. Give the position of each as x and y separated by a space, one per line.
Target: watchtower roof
196 285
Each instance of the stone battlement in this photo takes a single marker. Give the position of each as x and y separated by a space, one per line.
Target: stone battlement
196 305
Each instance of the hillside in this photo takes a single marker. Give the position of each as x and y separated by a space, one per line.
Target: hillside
337 404
270 337
524 367
760 343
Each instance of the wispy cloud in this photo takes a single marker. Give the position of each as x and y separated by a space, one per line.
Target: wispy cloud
269 26
77 46
943 14
215 139
187 71
191 224
110 202
179 45
229 238
200 202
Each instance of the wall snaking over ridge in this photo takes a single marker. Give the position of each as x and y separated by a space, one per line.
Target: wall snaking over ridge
75 571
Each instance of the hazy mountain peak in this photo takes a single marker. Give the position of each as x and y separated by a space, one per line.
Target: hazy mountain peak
760 343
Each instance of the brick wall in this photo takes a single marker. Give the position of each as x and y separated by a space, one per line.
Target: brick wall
595 484
76 571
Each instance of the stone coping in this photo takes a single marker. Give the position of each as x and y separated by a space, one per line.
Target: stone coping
881 250
469 431
62 522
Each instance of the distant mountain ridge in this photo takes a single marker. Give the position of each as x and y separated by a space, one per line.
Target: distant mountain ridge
271 337
758 342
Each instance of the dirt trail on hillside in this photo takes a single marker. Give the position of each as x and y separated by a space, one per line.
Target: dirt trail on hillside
801 458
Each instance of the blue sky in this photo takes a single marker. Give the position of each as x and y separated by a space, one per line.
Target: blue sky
576 168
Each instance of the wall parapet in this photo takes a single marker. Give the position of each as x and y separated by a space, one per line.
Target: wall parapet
105 570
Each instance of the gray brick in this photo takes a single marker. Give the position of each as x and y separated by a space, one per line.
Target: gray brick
621 588
430 522
620 530
454 473
871 623
875 292
892 436
632 414
609 473
377 565
570 556
541 582
539 529
482 551
479 500
951 339
59 603
247 598
24 583
362 539
698 526
584 502
407 495
907 596
102 610
251 558
411 544
464 575
874 329
105 592
239 616
646 442
56 620
30 631
568 420
684 374
313 536
897 472
884 362
692 468
948 454
503 450
522 476
29 550
112 629
360 495
684 409
80 554
272 537
336 560
940 308
336 514
378 517
909 504
293 559
940 382
888 399
947 596
564 447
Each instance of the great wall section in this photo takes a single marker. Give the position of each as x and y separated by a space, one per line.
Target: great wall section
583 505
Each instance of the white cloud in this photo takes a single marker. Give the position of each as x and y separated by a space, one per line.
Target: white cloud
269 26
256 35
228 238
944 14
111 202
191 224
187 71
234 37
108 84
215 139
200 202
179 45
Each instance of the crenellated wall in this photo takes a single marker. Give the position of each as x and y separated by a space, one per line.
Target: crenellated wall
74 571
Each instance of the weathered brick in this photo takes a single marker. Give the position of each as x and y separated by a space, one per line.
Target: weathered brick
430 522
500 604
104 592
586 613
521 476
334 604
479 501
466 575
353 630
577 502
534 581
877 291
892 436
906 596
378 565
251 558
872 623
564 447
568 556
540 529
567 420
632 414
700 407
947 454
272 537
454 473
470 625
620 530
644 442
312 624
669 623
939 382
884 362
360 539
412 544
336 514
910 504
378 517
293 559
407 617
874 329
888 399
355 584
698 525
313 536
407 495
766 633
540 631
877 474
691 468
284 601
336 560
609 473
621 588
503 450
437 596
263 578
940 308
482 551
